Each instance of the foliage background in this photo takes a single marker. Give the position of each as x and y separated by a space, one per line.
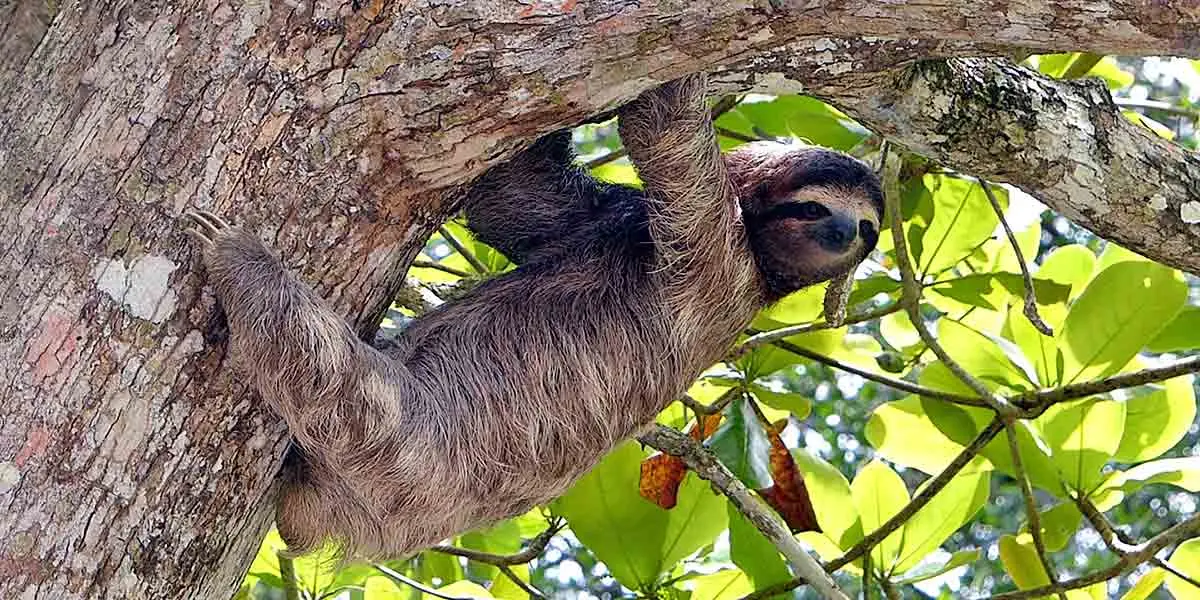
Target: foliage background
865 447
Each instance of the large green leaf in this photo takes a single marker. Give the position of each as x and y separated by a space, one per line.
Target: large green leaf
832 499
636 539
1146 585
1182 334
1121 310
1082 436
994 360
729 584
993 290
1156 418
1021 561
795 116
962 220
753 553
938 568
742 445
1180 472
879 494
904 433
1185 558
1059 525
950 509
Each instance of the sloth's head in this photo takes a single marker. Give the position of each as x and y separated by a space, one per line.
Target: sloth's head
811 214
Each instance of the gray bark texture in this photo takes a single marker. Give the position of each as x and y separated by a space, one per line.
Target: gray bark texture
133 464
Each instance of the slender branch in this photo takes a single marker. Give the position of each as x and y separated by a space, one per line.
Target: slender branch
922 498
1117 542
604 159
1043 399
1168 567
1173 535
911 297
704 464
892 382
717 405
535 548
1166 107
785 332
1031 509
521 583
734 135
1031 311
430 264
461 249
413 583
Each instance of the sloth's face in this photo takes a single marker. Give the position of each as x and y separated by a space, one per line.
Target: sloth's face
813 215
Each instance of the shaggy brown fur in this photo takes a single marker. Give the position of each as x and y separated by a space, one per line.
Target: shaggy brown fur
498 401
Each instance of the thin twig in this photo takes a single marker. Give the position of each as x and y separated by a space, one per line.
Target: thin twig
604 159
1031 509
536 546
521 583
429 264
1031 311
911 298
734 135
717 405
704 464
1166 107
461 249
1117 541
1168 567
1043 399
417 585
892 382
786 332
1174 534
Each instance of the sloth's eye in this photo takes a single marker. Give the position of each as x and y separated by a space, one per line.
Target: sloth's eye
811 211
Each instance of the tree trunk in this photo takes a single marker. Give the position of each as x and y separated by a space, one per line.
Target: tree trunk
132 464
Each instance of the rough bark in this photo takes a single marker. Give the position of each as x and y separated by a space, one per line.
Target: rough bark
131 463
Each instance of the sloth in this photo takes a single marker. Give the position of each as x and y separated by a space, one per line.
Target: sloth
499 400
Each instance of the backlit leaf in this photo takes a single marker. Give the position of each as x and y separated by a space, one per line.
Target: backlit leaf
879 494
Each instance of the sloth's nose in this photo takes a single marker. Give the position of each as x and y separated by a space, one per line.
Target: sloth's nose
836 233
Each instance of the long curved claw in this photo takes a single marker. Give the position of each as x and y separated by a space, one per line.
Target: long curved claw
206 225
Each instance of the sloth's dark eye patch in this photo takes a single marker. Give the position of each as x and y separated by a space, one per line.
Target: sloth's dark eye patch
867 232
804 211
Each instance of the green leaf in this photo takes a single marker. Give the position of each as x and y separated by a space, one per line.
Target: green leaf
1186 559
949 510
1021 561
636 539
1183 473
1146 585
1059 525
898 331
993 360
729 584
795 116
879 493
993 290
1121 310
803 306
962 220
1182 334
754 554
903 432
1072 265
831 498
793 403
618 172
1156 418
1082 436
742 445
938 568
